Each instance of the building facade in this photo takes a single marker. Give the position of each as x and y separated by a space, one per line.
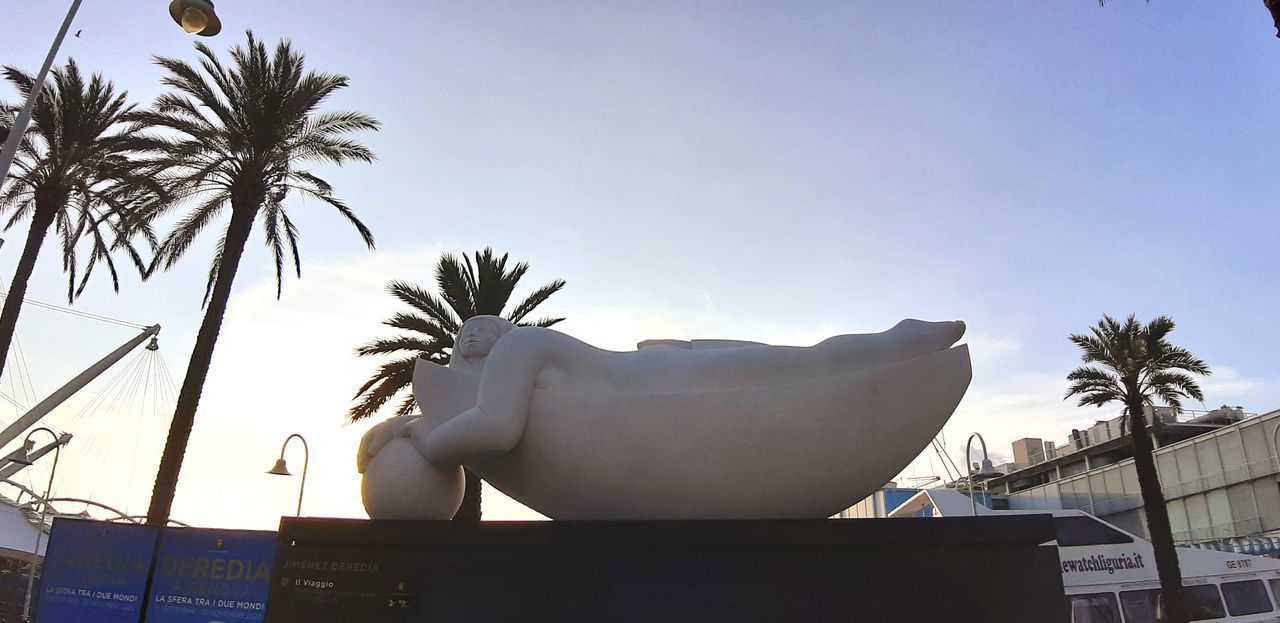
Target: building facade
878 504
1219 473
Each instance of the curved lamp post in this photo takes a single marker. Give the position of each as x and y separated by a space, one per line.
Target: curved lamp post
986 470
22 458
281 469
195 16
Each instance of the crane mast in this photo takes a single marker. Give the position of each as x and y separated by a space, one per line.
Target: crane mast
28 419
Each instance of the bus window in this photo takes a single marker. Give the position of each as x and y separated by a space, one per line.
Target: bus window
1203 602
1145 606
1246 597
1141 606
1094 608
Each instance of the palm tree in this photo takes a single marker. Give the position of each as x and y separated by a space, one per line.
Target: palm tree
73 173
1137 364
467 289
237 137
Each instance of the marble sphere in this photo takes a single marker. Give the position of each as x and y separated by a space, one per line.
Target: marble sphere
428 492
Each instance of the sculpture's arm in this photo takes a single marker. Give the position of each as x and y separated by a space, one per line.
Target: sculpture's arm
698 344
495 421
672 343
716 344
377 437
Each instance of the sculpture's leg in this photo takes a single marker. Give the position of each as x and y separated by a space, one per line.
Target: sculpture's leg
906 340
495 425
842 354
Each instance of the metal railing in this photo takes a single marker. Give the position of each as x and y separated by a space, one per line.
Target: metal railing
1246 527
1257 468
1108 430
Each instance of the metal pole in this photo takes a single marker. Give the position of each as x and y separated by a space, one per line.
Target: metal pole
973 506
44 509
306 460
968 446
20 124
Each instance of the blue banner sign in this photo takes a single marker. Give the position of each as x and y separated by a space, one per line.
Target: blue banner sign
211 575
95 572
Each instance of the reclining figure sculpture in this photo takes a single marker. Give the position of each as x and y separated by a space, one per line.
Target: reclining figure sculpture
707 429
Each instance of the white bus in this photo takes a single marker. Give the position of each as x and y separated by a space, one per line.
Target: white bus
1109 575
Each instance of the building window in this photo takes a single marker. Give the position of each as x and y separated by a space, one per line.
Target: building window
1247 597
1094 608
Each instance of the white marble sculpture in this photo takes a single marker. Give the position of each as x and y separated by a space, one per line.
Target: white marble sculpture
673 430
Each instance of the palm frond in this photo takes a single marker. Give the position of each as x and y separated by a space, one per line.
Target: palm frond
418 324
1094 386
407 406
456 285
238 134
394 345
542 322
1171 382
1138 365
215 264
390 379
75 169
425 302
538 297
467 289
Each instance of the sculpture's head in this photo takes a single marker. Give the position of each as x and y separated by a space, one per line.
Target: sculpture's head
477 337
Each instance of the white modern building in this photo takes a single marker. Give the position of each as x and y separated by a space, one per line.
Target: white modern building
1219 472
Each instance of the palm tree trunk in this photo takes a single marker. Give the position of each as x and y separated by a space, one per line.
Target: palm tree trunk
470 509
184 414
40 222
1157 513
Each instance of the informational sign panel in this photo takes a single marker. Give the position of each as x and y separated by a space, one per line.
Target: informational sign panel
95 572
622 572
211 575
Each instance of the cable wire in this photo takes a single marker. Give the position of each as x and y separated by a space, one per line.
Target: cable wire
76 312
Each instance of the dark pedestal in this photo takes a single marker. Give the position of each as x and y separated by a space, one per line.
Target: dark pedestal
955 569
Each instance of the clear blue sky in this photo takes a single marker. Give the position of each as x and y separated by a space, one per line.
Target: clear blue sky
743 170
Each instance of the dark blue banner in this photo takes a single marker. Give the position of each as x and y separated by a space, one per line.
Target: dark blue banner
211 575
95 572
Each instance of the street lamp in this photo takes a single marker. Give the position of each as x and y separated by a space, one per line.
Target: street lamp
188 14
281 469
986 471
22 458
197 17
